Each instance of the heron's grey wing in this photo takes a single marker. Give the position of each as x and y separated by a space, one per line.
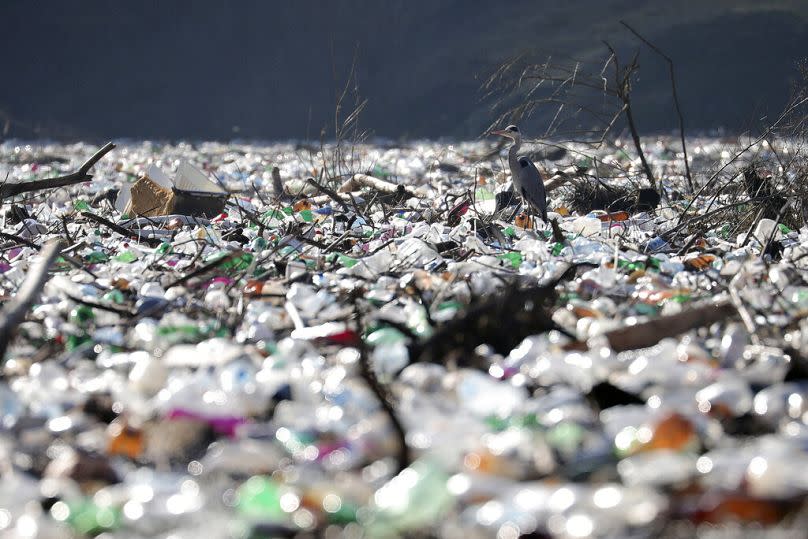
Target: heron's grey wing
531 186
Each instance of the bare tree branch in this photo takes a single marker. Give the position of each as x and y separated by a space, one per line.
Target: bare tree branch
675 99
81 175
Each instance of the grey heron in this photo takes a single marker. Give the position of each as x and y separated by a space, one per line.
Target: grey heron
527 180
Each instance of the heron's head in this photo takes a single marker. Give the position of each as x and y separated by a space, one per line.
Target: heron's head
511 132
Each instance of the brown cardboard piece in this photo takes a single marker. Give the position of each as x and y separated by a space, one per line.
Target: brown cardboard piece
149 199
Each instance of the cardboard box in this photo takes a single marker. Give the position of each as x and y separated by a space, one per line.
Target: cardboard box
190 193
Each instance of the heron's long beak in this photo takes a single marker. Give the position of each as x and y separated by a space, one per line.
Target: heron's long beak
501 132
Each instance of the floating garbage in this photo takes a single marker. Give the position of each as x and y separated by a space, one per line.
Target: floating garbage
389 346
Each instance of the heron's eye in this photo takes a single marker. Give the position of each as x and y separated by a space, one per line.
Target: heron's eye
513 128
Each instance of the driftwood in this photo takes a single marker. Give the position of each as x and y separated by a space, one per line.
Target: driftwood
651 332
14 311
319 200
359 181
81 175
560 178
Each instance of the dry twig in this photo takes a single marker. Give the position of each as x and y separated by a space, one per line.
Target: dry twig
14 311
119 229
675 98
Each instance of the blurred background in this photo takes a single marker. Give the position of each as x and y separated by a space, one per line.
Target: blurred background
212 69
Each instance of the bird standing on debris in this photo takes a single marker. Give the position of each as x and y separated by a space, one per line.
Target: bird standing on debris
527 180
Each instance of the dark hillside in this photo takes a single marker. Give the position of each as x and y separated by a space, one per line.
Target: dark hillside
269 70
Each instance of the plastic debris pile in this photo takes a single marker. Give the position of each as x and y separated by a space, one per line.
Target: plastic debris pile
249 367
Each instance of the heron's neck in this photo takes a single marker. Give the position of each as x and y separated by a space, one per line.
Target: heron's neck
513 154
